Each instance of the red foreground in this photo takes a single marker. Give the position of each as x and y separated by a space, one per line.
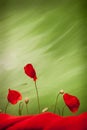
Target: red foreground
43 121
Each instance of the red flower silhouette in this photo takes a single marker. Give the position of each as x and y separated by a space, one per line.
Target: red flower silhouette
14 96
72 102
30 71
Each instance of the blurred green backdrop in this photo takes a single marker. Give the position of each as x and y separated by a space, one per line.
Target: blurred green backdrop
50 34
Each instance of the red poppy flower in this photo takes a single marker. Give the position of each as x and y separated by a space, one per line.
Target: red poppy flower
14 96
72 102
30 71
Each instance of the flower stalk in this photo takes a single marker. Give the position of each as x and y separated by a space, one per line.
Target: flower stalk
6 107
37 97
20 108
63 110
26 102
56 102
27 108
60 92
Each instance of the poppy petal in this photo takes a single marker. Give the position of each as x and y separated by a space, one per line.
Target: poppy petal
72 102
30 71
43 121
14 96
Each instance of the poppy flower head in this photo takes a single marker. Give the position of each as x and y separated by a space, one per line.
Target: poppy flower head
72 102
13 96
30 71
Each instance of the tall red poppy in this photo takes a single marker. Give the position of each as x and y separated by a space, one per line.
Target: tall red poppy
30 71
72 102
14 96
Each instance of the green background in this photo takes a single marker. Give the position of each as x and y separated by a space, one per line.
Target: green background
50 34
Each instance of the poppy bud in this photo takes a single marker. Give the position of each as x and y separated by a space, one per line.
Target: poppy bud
45 109
26 100
61 91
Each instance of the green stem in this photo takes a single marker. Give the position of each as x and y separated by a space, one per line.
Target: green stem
20 108
63 110
27 108
6 107
37 97
56 102
58 110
